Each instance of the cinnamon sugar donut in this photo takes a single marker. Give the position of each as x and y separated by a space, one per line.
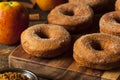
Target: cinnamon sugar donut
73 17
110 23
97 51
117 5
95 4
45 40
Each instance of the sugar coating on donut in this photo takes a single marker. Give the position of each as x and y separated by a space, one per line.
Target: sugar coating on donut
45 40
73 17
97 51
110 23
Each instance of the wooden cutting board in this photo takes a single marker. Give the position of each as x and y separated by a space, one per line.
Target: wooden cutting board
60 68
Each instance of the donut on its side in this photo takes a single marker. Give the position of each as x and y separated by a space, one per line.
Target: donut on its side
45 40
97 51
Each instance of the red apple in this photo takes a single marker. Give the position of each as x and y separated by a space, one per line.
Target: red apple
14 19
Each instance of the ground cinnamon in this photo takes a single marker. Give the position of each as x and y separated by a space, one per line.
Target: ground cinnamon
13 76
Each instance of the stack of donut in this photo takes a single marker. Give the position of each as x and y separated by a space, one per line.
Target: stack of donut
96 50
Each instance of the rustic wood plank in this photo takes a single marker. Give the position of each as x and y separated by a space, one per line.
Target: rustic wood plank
94 72
5 50
75 67
112 74
62 67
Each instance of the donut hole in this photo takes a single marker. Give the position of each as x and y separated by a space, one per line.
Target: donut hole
96 45
68 12
42 35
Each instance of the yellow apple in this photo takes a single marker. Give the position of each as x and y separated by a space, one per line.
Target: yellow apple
46 5
14 19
